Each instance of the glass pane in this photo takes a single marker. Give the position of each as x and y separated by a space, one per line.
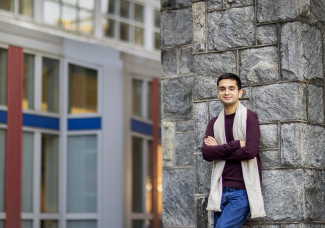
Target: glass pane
137 223
69 18
82 174
149 224
138 13
7 5
50 85
82 224
49 224
27 172
26 224
85 22
159 178
159 103
2 167
72 2
157 18
109 27
49 174
51 13
28 82
138 36
83 90
124 9
2 224
157 40
137 177
149 189
124 32
137 97
26 7
149 100
3 77
87 4
108 6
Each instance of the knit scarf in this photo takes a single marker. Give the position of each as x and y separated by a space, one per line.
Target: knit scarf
249 167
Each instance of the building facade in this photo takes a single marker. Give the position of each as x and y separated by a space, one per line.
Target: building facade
79 114
277 49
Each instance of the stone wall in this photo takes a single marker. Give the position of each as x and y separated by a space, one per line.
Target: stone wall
277 49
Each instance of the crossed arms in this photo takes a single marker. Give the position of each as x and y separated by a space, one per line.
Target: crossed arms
234 150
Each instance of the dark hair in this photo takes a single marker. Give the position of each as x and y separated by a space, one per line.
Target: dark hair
232 77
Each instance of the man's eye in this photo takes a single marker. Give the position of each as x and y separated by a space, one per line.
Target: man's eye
232 89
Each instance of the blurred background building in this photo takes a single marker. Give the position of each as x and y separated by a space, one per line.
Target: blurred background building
81 149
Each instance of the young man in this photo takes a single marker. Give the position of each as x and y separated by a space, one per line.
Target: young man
231 141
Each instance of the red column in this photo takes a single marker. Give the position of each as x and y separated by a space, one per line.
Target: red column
155 135
14 137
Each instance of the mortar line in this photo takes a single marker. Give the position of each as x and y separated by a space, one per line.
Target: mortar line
307 100
183 132
177 76
235 49
304 194
223 9
237 62
206 26
323 56
279 141
176 46
279 50
255 9
178 167
177 61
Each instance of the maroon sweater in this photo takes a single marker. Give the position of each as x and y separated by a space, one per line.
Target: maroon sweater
232 175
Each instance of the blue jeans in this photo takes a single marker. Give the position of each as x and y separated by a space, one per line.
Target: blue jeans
234 209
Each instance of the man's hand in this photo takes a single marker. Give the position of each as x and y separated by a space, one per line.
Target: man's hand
210 141
242 143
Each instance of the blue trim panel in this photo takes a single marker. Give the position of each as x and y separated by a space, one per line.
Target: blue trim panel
84 124
141 127
51 123
3 117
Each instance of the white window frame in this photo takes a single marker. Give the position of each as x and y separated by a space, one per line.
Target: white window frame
3 214
61 3
36 216
130 21
4 107
66 89
38 57
15 13
80 216
145 101
139 216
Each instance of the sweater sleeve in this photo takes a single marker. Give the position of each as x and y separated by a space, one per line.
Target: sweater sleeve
211 153
250 150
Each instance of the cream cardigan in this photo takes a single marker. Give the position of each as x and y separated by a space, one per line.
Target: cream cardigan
249 167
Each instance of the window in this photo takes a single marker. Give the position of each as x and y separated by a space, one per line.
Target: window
82 174
129 20
83 87
3 77
50 85
49 175
75 15
27 174
25 7
142 182
82 179
28 82
2 168
141 98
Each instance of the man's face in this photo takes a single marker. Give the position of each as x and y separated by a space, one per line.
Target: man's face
228 92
